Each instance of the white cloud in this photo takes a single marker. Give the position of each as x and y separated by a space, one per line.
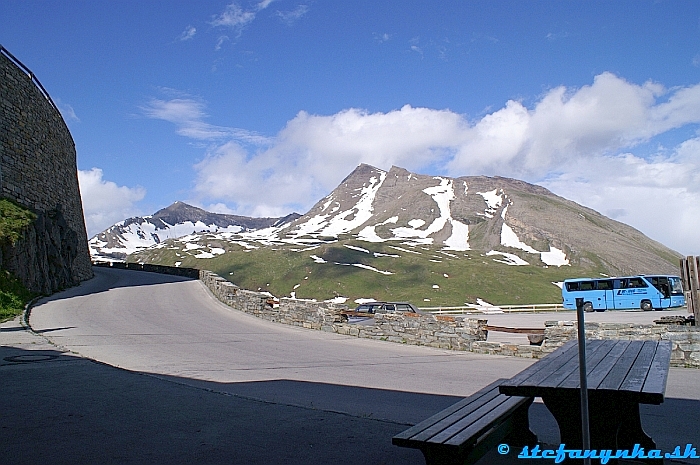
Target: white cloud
289 17
660 197
188 115
381 38
104 202
580 143
236 18
67 111
187 34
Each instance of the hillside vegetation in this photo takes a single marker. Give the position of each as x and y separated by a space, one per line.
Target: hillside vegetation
386 271
432 240
13 295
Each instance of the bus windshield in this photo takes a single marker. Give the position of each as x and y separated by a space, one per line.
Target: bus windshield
676 286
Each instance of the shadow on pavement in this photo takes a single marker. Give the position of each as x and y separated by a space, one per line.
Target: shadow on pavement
59 408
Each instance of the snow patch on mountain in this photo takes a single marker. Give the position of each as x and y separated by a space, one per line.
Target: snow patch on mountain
359 214
493 202
508 258
442 194
553 257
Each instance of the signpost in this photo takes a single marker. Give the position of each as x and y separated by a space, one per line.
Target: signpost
585 428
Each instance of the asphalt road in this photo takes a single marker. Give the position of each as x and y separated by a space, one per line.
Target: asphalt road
197 382
174 327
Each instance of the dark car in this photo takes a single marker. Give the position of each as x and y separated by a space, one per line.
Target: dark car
367 310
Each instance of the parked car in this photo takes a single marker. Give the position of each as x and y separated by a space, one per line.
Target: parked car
367 310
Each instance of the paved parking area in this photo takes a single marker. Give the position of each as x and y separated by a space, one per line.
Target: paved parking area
157 371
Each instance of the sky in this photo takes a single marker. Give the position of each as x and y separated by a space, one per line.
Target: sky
261 108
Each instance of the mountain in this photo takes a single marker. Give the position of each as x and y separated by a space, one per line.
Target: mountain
177 220
500 216
404 236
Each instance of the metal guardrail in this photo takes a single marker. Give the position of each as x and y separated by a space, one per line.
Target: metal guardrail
31 75
535 308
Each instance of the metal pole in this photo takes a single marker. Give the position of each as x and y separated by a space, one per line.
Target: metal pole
585 428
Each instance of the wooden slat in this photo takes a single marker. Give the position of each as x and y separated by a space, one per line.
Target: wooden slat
634 381
594 359
599 373
486 422
619 371
431 432
433 424
571 367
506 329
540 369
655 383
478 416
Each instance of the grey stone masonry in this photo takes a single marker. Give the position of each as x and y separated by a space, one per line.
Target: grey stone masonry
445 332
38 170
685 339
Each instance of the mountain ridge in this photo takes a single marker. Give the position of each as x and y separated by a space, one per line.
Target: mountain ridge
176 220
397 235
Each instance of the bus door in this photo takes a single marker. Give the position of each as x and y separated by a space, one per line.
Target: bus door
605 294
663 285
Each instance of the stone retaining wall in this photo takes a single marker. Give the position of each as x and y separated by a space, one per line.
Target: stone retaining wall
192 273
38 170
445 332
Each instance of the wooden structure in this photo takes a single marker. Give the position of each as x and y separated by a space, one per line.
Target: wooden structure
534 335
690 269
464 432
621 374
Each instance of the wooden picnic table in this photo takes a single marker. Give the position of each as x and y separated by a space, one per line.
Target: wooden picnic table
621 375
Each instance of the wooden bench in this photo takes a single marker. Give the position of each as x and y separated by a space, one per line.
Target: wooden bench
467 430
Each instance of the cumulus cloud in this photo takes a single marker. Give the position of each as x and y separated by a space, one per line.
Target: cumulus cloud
104 202
658 196
594 144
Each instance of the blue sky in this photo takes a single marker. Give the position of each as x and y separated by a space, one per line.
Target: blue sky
261 108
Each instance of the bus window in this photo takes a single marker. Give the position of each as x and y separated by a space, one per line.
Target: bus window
572 286
619 283
586 285
636 283
604 285
661 284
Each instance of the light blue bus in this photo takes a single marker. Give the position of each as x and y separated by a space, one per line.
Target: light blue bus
643 292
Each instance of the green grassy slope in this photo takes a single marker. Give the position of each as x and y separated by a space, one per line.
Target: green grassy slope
460 277
13 295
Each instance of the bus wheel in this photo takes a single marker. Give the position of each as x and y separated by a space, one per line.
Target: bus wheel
587 307
646 305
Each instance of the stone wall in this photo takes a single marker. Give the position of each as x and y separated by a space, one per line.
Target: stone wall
445 332
192 273
38 170
685 340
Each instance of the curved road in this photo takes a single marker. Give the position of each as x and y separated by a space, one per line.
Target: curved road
173 327
286 386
